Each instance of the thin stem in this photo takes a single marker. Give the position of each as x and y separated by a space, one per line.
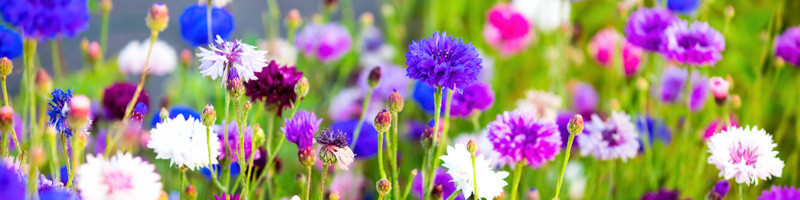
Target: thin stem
227 148
408 186
360 123
66 156
104 34
564 168
437 104
209 22
476 124
322 183
741 194
474 178
517 175
53 157
454 195
274 13
20 150
183 183
308 182
380 154
393 153
55 52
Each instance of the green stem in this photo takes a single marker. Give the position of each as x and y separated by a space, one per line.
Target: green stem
564 168
183 183
308 182
53 157
474 179
437 104
408 186
55 50
741 194
454 195
226 176
517 174
476 124
209 22
380 154
322 183
66 156
393 156
274 13
360 123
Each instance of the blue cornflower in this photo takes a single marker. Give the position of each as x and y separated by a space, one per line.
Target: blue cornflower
443 61
174 112
59 110
234 170
11 187
138 112
194 27
10 43
423 95
46 19
654 128
683 6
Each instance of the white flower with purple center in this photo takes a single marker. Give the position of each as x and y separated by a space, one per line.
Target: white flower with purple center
121 177
218 59
745 154
611 139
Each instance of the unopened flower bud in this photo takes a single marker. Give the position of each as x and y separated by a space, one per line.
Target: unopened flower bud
38 156
307 158
158 17
383 186
729 11
374 77
533 194
234 84
43 82
79 110
387 10
575 125
164 114
414 172
642 84
428 138
294 19
720 190
367 19
301 87
719 87
326 155
334 195
436 193
331 5
186 57
94 51
383 121
84 45
5 67
258 137
106 6
472 147
138 112
395 102
6 118
209 116
191 192
248 105
736 101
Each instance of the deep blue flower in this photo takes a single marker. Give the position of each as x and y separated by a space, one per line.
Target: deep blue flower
654 128
234 170
46 19
10 43
443 61
367 144
194 27
59 110
174 112
11 187
683 6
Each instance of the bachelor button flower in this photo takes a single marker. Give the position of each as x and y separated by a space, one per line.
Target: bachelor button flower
116 98
224 196
367 144
326 42
719 88
12 186
476 97
274 86
611 139
683 6
334 149
10 43
232 150
443 61
717 126
121 177
696 44
603 48
442 179
372 49
46 19
654 128
458 162
59 110
194 27
584 98
662 194
699 92
673 79
745 154
720 190
518 136
787 46
780 193
507 30
543 105
183 142
218 59
392 78
546 15
301 129
54 190
646 26
131 58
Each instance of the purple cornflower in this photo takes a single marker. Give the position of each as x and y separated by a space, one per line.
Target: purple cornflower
443 179
662 194
392 78
699 94
116 98
787 46
326 42
227 197
673 80
333 149
478 96
301 128
696 44
59 110
46 19
50 190
780 193
443 61
584 98
720 190
611 139
232 135
274 86
518 137
11 187
646 27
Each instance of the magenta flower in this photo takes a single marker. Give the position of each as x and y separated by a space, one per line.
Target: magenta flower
232 135
116 98
716 126
696 44
787 46
476 97
719 87
780 193
326 42
507 30
518 137
603 48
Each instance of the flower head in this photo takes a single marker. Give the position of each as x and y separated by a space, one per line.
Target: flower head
611 139
326 42
603 48
719 87
121 177
661 194
301 128
476 97
507 30
116 98
367 144
131 58
12 186
584 98
194 25
274 86
442 179
699 92
458 162
46 19
158 17
673 79
518 136
543 105
218 60
683 6
745 154
59 110
646 27
720 190
183 141
787 46
334 149
780 193
10 43
224 196
232 135
546 15
443 61
696 44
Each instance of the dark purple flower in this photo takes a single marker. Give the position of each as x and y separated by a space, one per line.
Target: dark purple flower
59 110
673 80
227 197
327 42
443 179
117 96
696 44
518 137
787 46
194 24
699 95
232 135
11 187
662 194
584 98
301 129
720 190
478 96
275 86
10 43
646 26
780 193
367 144
46 19
443 61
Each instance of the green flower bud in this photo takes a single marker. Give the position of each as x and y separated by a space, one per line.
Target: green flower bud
209 116
374 77
395 102
158 17
472 147
383 186
575 125
383 121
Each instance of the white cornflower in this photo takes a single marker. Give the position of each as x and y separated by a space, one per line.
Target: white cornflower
745 154
612 139
279 50
458 162
546 15
216 60
544 105
183 142
131 58
121 177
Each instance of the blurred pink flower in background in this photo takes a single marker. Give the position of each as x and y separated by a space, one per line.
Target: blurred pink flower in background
507 30
603 48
